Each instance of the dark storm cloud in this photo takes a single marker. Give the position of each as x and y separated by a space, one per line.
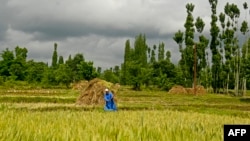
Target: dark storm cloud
65 30
4 16
61 19
96 28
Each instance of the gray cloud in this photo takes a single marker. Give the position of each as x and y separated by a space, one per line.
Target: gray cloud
98 29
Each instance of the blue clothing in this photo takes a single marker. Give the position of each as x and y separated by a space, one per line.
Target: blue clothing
109 102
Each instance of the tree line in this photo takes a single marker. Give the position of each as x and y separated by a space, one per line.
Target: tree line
221 62
229 62
14 66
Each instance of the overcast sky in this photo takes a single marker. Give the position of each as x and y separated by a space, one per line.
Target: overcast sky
96 28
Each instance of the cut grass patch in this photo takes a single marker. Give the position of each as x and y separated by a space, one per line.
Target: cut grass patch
140 100
36 99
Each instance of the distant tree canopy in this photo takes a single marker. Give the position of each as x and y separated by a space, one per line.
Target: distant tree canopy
140 67
15 67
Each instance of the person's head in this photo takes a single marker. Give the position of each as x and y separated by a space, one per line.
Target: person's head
106 90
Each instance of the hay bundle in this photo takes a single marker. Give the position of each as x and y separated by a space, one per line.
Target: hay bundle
181 90
80 85
93 93
200 89
190 90
177 89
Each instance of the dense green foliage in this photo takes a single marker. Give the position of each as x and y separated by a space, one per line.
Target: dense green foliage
141 68
15 67
219 67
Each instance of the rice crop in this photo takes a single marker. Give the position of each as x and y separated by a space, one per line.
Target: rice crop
124 125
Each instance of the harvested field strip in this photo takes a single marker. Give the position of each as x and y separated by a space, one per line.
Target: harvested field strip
142 95
180 100
134 101
243 107
35 99
47 107
158 100
40 92
211 110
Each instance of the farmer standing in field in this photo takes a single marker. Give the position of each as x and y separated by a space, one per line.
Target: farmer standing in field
109 101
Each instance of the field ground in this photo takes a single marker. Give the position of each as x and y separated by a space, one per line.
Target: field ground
145 115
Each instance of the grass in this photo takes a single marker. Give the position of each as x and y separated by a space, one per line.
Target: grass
143 115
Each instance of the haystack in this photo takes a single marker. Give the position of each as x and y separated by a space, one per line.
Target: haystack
181 90
177 89
93 93
200 89
190 90
81 85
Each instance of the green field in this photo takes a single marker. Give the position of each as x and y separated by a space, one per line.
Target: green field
44 115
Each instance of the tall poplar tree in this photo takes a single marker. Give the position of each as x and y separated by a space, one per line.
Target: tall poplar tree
244 29
201 50
152 57
161 51
216 56
125 66
224 68
189 42
54 57
60 61
141 48
139 65
232 46
178 38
